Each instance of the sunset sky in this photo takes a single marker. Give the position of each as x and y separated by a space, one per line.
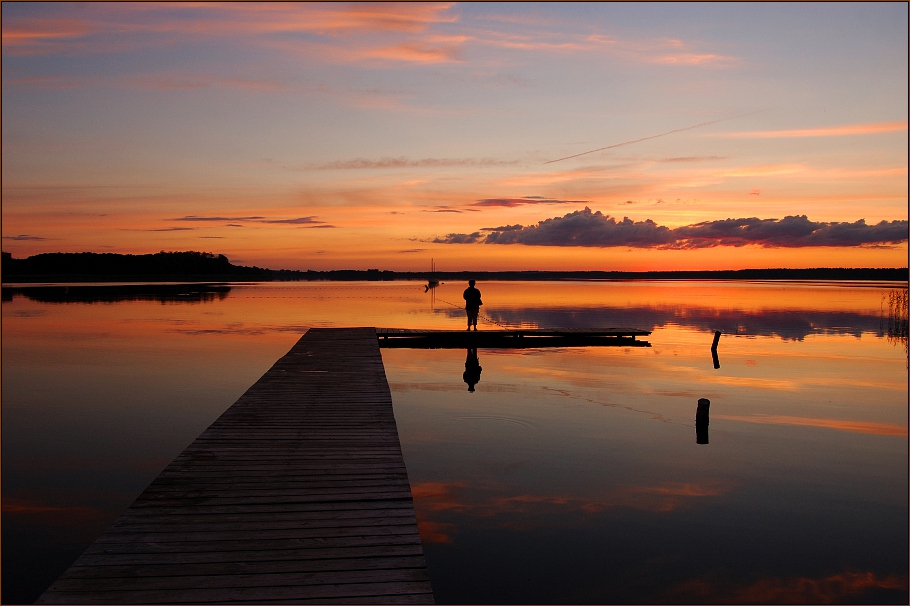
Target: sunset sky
329 136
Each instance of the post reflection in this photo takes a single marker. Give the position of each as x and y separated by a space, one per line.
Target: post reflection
701 421
714 349
472 369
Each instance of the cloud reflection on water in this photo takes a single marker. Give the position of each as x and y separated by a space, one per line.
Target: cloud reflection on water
845 587
879 429
113 293
789 325
433 500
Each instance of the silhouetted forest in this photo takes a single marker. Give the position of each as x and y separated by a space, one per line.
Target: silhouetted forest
162 266
194 266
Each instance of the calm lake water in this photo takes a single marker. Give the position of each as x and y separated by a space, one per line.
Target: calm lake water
569 475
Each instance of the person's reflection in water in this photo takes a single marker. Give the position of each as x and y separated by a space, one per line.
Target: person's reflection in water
472 369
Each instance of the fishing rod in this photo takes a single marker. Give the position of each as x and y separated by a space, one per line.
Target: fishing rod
487 318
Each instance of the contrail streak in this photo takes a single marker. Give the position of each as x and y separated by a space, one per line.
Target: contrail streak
678 130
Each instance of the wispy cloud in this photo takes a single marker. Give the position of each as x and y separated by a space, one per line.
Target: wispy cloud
691 59
178 81
435 49
526 200
23 237
692 159
449 209
51 82
217 219
545 39
310 221
832 131
121 23
587 228
397 33
297 221
404 162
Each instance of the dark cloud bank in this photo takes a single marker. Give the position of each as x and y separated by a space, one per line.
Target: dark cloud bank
587 228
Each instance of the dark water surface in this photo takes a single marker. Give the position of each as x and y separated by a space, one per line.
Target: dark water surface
568 476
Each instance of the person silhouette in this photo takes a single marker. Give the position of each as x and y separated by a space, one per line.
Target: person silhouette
472 369
472 304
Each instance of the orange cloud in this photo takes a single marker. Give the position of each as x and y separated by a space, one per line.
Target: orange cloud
880 429
378 17
116 27
691 59
34 32
665 52
41 36
418 52
834 131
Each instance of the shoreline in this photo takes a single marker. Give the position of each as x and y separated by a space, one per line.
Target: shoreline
371 275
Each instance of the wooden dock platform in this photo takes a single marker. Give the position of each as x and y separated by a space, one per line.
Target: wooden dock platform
514 338
298 493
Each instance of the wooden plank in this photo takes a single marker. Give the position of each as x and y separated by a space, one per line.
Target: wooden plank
270 508
206 525
271 567
96 564
298 493
244 580
376 592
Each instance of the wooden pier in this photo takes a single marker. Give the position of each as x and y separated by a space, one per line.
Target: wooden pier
512 338
298 493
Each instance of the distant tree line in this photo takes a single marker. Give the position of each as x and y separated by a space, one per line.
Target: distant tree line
194 266
162 266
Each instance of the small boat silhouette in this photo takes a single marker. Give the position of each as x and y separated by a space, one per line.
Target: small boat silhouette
432 282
